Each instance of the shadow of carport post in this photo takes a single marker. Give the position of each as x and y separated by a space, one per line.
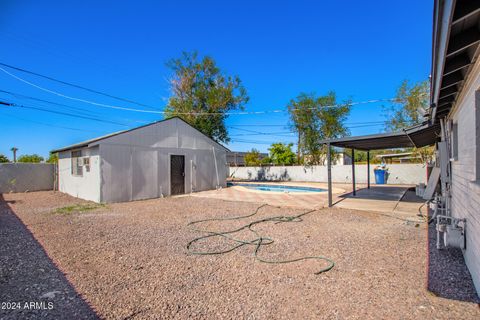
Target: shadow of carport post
329 174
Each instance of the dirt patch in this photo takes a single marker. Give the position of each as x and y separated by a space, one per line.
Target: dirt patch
130 260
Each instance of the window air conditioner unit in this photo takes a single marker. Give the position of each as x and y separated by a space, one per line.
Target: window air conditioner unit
85 161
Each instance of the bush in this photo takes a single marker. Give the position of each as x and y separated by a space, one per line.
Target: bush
3 159
30 158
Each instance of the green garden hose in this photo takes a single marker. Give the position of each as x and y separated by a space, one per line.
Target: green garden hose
258 242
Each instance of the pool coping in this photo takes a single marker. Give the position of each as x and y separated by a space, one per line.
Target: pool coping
293 184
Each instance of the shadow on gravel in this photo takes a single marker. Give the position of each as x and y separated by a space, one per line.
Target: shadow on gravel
31 285
448 276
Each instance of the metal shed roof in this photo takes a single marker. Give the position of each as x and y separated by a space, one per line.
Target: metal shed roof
86 143
418 136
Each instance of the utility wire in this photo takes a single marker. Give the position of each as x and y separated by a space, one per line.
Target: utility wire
63 113
72 115
50 124
183 113
251 142
287 133
77 86
77 99
21 96
86 112
286 125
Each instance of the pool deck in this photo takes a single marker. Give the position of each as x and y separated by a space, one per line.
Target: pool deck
379 198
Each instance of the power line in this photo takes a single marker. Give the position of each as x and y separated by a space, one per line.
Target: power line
86 112
277 134
251 142
288 133
51 125
77 99
47 101
77 86
64 113
184 113
72 115
157 111
286 125
33 41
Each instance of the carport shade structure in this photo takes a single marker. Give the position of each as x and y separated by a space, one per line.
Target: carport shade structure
418 136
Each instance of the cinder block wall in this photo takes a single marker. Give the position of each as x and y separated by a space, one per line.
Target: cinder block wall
398 173
21 177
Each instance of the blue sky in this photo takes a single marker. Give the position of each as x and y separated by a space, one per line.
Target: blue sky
360 49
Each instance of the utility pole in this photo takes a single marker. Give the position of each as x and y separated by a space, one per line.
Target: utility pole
14 150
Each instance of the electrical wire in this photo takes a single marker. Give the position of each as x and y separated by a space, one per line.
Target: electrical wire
250 141
50 124
184 113
65 114
77 86
286 133
77 99
21 96
286 125
83 111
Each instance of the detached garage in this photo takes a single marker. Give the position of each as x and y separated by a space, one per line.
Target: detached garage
163 158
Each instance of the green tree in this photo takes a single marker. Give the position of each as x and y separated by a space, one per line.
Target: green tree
411 103
33 158
202 94
316 118
360 156
52 158
3 159
282 154
252 158
266 161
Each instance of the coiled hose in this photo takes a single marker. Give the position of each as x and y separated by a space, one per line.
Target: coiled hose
258 242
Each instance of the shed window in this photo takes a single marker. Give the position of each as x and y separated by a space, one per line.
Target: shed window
77 169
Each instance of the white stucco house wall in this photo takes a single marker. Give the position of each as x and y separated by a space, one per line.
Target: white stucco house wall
159 159
455 100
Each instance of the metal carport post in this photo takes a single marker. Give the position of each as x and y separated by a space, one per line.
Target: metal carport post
353 172
368 169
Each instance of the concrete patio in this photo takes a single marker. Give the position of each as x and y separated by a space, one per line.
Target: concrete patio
379 198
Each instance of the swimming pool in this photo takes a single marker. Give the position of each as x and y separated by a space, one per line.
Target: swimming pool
275 187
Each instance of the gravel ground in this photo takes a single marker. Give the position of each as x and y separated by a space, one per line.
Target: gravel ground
448 274
129 261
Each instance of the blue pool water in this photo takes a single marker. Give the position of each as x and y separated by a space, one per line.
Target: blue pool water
275 187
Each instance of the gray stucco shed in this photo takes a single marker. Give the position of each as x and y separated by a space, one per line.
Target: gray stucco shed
159 159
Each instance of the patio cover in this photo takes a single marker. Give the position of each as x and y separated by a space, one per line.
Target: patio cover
418 136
